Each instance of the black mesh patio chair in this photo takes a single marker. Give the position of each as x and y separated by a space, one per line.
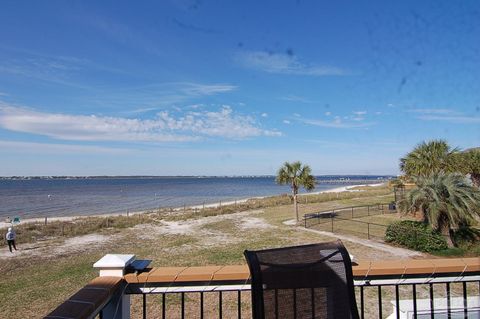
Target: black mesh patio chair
310 281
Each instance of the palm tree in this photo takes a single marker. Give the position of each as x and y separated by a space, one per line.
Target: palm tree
429 158
296 175
447 201
470 164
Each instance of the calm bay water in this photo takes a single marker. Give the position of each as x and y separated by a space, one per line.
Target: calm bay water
72 197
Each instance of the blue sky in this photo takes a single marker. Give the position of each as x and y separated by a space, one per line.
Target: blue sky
233 87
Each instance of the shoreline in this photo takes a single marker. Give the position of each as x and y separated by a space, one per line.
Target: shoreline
341 189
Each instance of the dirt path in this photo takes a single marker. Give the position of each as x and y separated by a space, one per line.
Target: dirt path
400 252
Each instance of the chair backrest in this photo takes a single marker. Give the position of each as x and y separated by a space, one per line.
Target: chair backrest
310 281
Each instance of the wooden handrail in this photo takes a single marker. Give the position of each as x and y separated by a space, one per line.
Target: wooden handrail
89 300
241 273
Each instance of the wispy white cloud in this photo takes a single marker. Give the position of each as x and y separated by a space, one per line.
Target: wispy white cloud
32 147
359 113
280 63
457 119
197 89
358 116
296 98
337 122
195 106
286 122
264 114
163 127
445 115
432 111
390 145
56 70
157 96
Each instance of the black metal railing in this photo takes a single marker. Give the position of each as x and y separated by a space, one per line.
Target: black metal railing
420 297
212 301
377 297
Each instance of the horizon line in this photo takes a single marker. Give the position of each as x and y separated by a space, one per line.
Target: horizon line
176 176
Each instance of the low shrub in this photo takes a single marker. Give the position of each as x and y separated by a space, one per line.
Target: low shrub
415 235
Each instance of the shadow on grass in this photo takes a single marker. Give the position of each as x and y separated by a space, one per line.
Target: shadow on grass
467 241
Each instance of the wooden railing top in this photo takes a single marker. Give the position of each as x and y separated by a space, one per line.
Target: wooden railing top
363 269
189 274
88 300
430 267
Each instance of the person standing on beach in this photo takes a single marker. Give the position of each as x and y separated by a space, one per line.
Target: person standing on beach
10 237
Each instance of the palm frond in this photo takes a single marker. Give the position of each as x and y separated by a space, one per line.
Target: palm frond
446 199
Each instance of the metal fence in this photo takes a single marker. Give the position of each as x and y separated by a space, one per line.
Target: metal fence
345 220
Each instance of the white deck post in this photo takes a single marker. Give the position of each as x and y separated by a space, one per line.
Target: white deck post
114 265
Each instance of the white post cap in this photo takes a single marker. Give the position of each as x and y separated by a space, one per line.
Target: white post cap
114 264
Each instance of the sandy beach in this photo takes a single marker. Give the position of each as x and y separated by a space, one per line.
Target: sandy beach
349 188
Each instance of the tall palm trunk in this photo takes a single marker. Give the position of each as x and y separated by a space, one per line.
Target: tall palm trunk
295 203
447 234
295 206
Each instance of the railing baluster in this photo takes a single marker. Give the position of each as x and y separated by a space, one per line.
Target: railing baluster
164 300
414 293
144 308
432 306
449 309
201 305
239 300
380 302
397 301
362 303
220 314
183 305
465 301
